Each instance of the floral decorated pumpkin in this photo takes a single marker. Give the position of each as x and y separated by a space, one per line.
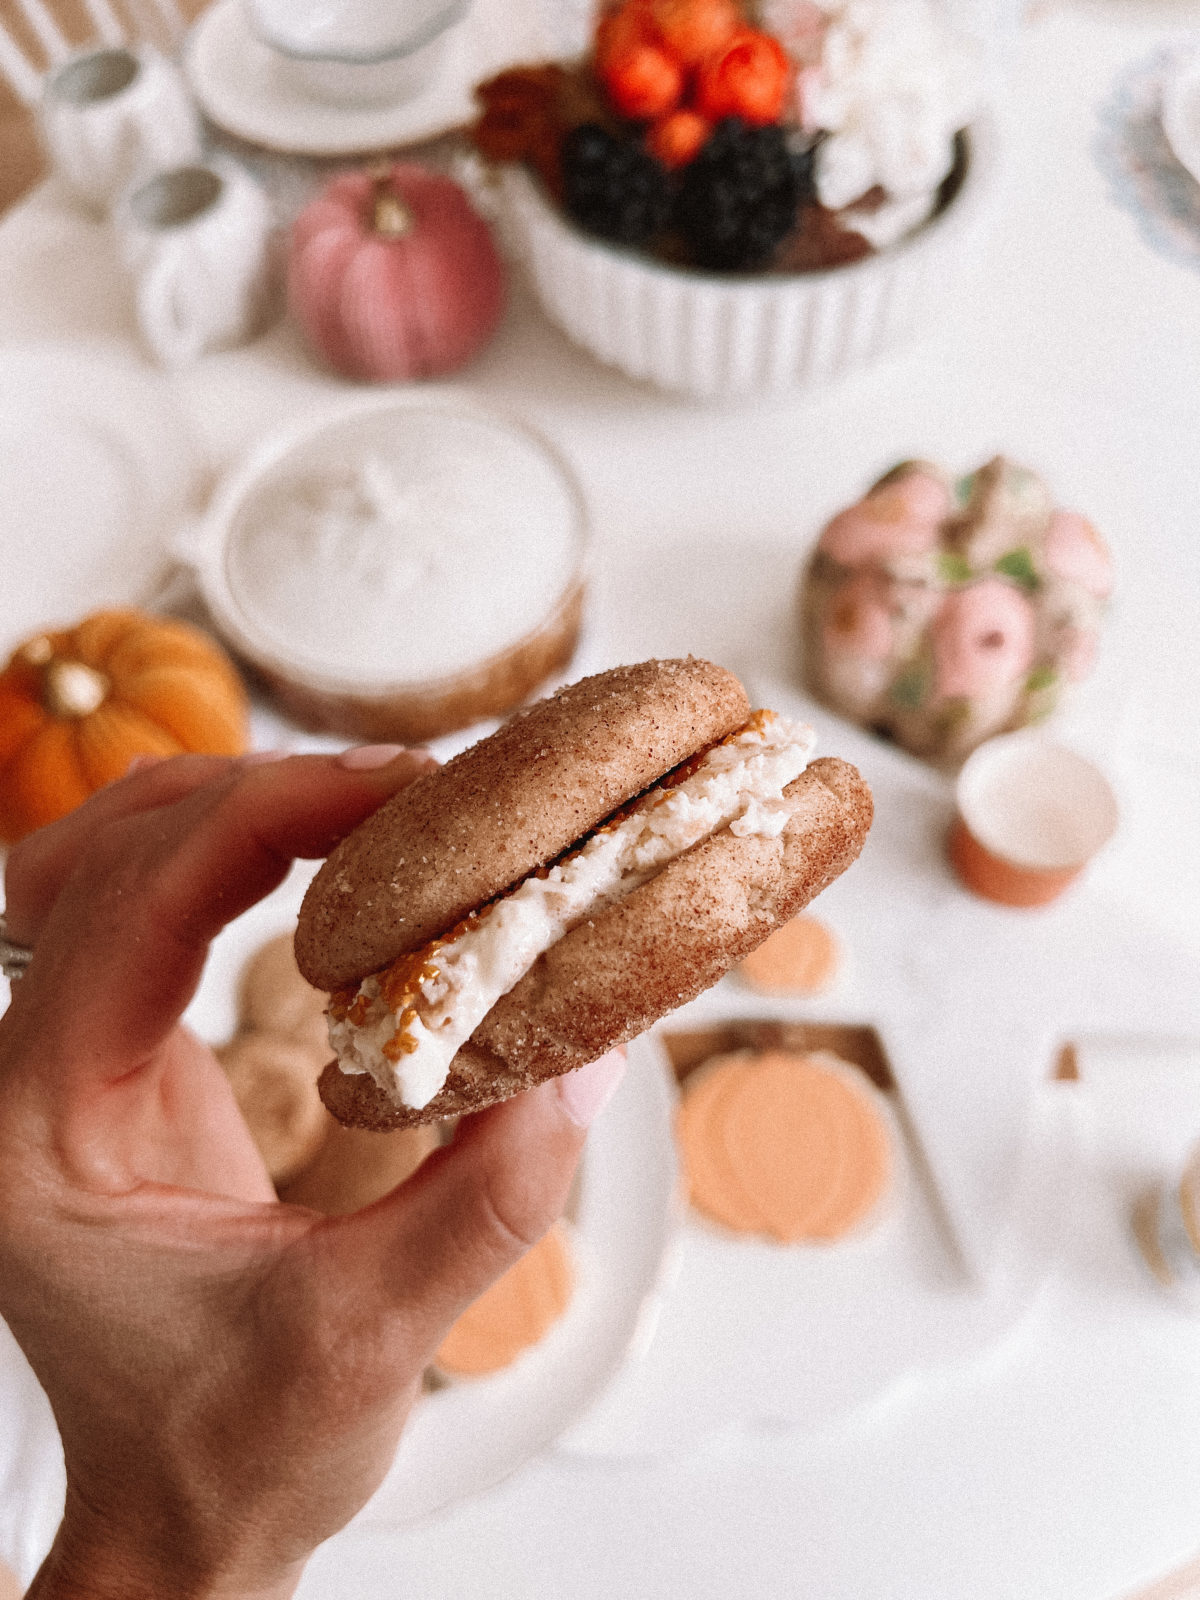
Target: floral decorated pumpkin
939 613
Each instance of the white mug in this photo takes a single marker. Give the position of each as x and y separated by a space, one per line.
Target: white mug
109 116
199 241
357 52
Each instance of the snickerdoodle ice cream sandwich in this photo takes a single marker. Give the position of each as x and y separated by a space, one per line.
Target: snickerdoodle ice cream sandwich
602 858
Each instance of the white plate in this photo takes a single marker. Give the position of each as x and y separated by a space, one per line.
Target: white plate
96 468
236 79
1181 115
465 1438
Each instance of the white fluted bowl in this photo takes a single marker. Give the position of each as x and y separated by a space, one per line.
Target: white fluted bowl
718 337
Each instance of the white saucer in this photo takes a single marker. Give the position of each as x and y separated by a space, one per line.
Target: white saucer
235 78
1181 115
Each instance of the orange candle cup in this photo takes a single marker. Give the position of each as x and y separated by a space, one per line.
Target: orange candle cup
1030 816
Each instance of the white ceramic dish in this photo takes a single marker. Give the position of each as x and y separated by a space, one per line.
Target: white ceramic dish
308 592
246 88
716 337
96 468
1181 115
350 30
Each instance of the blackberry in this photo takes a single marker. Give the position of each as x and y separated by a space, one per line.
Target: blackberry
737 200
612 186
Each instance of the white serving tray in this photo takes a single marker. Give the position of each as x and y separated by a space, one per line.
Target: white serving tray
754 1334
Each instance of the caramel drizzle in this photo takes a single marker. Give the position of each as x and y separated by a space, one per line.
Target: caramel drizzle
400 988
400 983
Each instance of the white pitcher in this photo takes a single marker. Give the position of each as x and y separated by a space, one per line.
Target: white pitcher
112 115
199 242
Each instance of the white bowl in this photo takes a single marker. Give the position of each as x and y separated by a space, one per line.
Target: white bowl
1181 114
718 337
357 54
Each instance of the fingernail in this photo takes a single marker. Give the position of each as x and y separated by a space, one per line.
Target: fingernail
260 758
586 1091
138 763
365 757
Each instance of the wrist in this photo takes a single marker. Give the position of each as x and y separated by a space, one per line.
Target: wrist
93 1560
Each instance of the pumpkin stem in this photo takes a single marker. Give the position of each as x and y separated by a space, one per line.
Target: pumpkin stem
391 217
71 689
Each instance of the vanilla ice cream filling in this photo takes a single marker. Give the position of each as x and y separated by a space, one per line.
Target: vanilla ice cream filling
737 785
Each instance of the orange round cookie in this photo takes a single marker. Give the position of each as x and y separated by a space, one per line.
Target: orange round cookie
801 957
515 1313
787 1145
713 1182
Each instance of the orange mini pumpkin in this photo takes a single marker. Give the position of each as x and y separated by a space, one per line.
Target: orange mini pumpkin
77 705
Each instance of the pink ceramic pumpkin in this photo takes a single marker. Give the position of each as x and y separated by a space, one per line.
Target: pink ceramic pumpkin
394 274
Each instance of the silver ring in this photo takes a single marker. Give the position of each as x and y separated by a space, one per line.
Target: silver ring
14 958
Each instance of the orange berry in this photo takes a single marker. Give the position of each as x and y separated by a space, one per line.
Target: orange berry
621 31
748 79
677 139
695 29
644 83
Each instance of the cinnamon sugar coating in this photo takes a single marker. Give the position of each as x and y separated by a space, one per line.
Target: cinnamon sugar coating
457 837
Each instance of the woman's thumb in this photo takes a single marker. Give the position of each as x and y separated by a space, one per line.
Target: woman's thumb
427 1250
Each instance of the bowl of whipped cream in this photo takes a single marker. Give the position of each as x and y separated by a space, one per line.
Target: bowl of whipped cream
398 569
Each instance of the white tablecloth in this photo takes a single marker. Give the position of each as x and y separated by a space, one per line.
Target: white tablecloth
1066 1462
